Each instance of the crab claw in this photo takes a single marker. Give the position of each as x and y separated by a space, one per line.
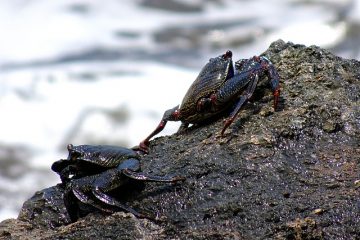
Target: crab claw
143 147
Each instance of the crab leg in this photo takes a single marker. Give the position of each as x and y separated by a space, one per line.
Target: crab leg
107 181
169 115
98 193
81 186
234 86
85 199
274 78
144 145
243 98
145 177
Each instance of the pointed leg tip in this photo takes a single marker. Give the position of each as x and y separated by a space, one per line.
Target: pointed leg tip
276 98
143 147
222 134
179 179
275 106
139 215
226 125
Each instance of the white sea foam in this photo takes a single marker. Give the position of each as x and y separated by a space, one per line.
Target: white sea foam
43 121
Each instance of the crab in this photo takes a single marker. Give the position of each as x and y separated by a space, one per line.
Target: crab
218 87
90 172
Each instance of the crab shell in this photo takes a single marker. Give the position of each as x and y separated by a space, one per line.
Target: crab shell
211 77
85 160
102 155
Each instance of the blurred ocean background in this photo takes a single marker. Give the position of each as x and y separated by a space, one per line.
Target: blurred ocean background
103 72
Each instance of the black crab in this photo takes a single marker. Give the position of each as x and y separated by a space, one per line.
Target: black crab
218 87
90 171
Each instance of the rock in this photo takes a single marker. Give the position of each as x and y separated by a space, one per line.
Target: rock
301 229
267 179
117 226
46 208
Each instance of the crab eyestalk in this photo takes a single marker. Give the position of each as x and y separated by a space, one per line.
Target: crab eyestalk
227 55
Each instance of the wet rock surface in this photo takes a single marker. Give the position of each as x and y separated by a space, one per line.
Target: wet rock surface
289 174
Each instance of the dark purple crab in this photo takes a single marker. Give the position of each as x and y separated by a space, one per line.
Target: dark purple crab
90 172
217 88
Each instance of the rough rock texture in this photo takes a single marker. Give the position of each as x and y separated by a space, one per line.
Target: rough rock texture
289 174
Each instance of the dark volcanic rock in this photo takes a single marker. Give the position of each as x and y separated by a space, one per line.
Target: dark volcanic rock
289 174
46 208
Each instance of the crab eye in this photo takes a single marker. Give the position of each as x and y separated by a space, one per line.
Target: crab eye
227 55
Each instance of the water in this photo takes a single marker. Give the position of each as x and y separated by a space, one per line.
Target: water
85 72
